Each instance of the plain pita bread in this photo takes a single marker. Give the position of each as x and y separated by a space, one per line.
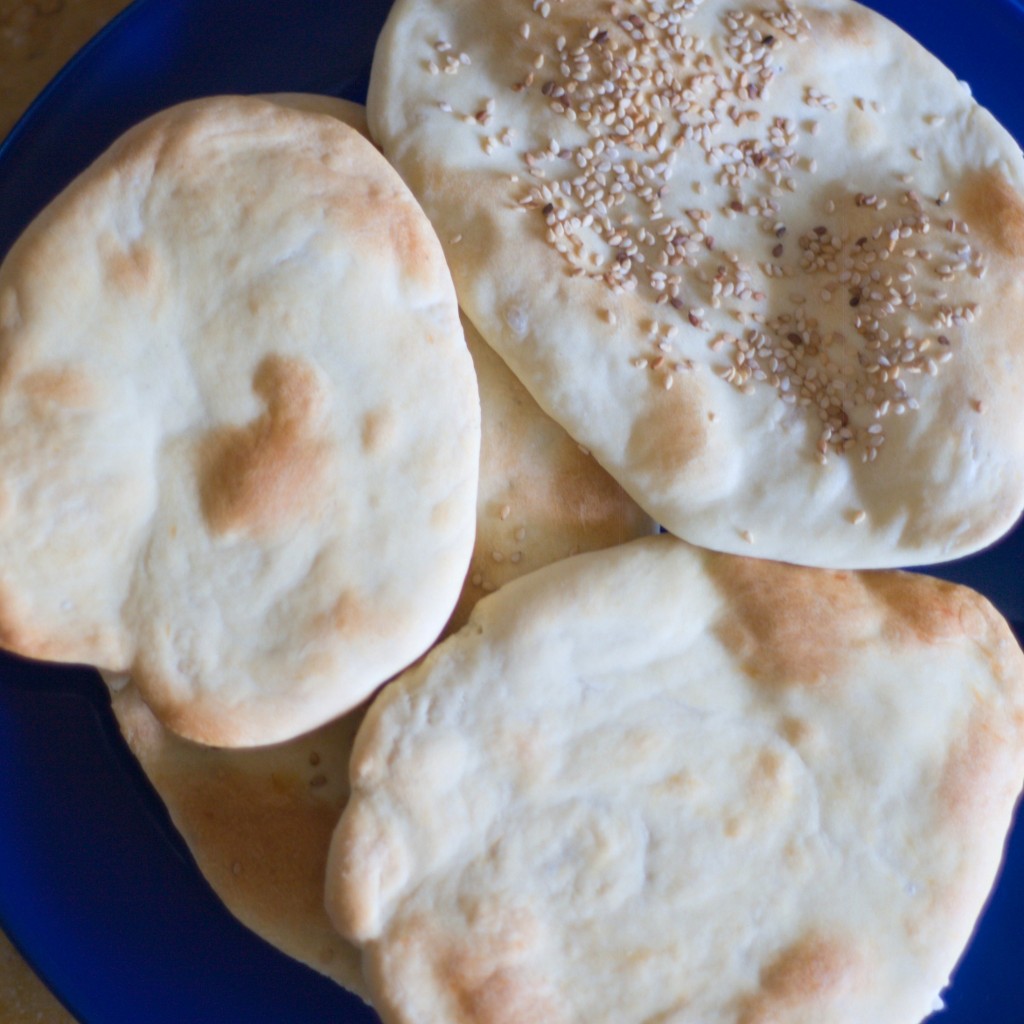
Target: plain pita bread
236 399
657 783
765 260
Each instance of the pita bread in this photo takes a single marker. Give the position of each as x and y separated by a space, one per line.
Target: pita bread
231 364
657 783
765 260
542 497
258 823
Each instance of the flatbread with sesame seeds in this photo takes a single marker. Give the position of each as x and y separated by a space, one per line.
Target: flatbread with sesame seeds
714 789
232 366
765 260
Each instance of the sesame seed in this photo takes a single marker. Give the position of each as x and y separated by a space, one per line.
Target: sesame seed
604 214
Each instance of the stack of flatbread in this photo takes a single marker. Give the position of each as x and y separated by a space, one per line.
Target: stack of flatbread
751 272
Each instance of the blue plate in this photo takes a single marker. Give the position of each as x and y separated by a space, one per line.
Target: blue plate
96 888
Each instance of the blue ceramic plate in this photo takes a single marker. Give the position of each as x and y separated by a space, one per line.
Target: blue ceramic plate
96 888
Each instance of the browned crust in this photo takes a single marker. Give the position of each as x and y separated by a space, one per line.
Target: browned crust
995 211
813 971
783 620
670 435
260 477
490 977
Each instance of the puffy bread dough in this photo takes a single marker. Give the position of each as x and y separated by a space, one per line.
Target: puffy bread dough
734 249
239 426
658 783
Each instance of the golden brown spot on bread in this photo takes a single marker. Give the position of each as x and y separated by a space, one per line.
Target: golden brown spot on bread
407 239
66 388
769 766
350 614
736 827
492 974
378 430
795 730
769 784
128 270
994 210
972 784
272 471
782 621
925 610
492 977
403 234
847 28
811 972
507 995
669 436
682 782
